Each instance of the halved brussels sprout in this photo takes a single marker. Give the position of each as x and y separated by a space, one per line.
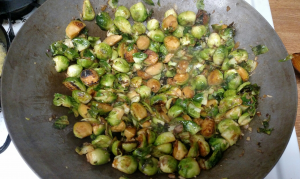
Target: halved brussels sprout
229 103
198 31
129 146
115 116
113 40
152 58
156 35
218 144
107 80
204 147
58 48
83 110
175 111
102 141
168 164
61 63
170 12
200 82
172 43
130 132
61 123
116 148
144 91
98 157
191 127
179 31
243 73
85 63
118 128
126 164
105 96
136 82
211 161
180 150
229 130
84 149
233 79
214 40
123 24
71 53
154 85
82 129
206 54
143 42
188 92
81 43
219 55
234 113
149 166
244 119
194 150
73 29
239 55
188 168
123 81
155 69
181 79
187 39
152 24
120 65
154 46
103 51
88 13
208 128
73 83
81 96
187 18
164 138
138 12
139 111
123 12
170 23
104 21
74 70
138 28
89 77
215 78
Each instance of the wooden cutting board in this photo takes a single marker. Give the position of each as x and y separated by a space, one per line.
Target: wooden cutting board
286 18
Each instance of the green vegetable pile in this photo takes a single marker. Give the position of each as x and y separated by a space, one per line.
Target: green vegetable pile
160 96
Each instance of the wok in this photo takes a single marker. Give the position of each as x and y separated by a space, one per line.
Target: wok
30 80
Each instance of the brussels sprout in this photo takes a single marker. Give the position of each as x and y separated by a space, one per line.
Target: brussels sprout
107 80
83 110
81 43
259 49
154 46
139 111
152 57
164 51
227 34
133 96
102 141
154 85
118 128
115 116
175 111
187 18
179 31
215 78
82 129
120 65
156 35
172 43
168 164
144 91
116 148
208 128
191 127
188 92
123 12
138 28
152 24
104 21
229 130
199 82
211 161
170 23
138 12
136 82
129 146
170 12
193 111
184 136
71 53
249 65
122 81
155 69
158 99
84 149
98 129
73 29
103 51
100 71
126 164
94 40
139 57
188 168
218 144
151 136
198 31
164 138
224 124
112 40
85 63
61 123
58 48
204 147
142 140
74 70
243 73
174 92
162 150
61 63
214 40
239 55
129 132
181 79
88 13
200 98
194 150
180 150
73 83
143 42
148 166
229 93
81 96
219 55
229 103
234 113
232 79
123 24
98 157
187 39
105 96
206 54
89 77
244 119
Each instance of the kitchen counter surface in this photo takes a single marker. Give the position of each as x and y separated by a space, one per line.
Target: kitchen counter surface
286 19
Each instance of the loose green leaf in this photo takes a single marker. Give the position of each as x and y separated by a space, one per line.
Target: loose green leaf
266 128
113 3
260 49
289 57
61 122
150 2
158 2
200 4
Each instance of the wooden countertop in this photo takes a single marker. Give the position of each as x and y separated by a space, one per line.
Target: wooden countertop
286 18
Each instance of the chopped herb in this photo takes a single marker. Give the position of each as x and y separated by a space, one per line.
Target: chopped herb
200 4
150 2
159 128
260 49
266 128
289 57
150 13
158 2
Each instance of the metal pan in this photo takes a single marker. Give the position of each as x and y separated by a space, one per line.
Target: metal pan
29 82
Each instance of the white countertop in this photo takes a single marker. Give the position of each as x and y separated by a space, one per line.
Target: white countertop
12 165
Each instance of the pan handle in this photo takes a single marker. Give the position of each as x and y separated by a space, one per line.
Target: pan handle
5 145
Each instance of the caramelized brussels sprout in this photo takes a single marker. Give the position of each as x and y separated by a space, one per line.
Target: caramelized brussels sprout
143 42
115 116
152 58
139 111
84 149
82 129
73 83
170 23
113 39
154 85
208 128
215 78
98 157
164 138
123 24
149 166
172 43
74 28
168 164
126 164
154 69
103 51
188 92
180 150
130 132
